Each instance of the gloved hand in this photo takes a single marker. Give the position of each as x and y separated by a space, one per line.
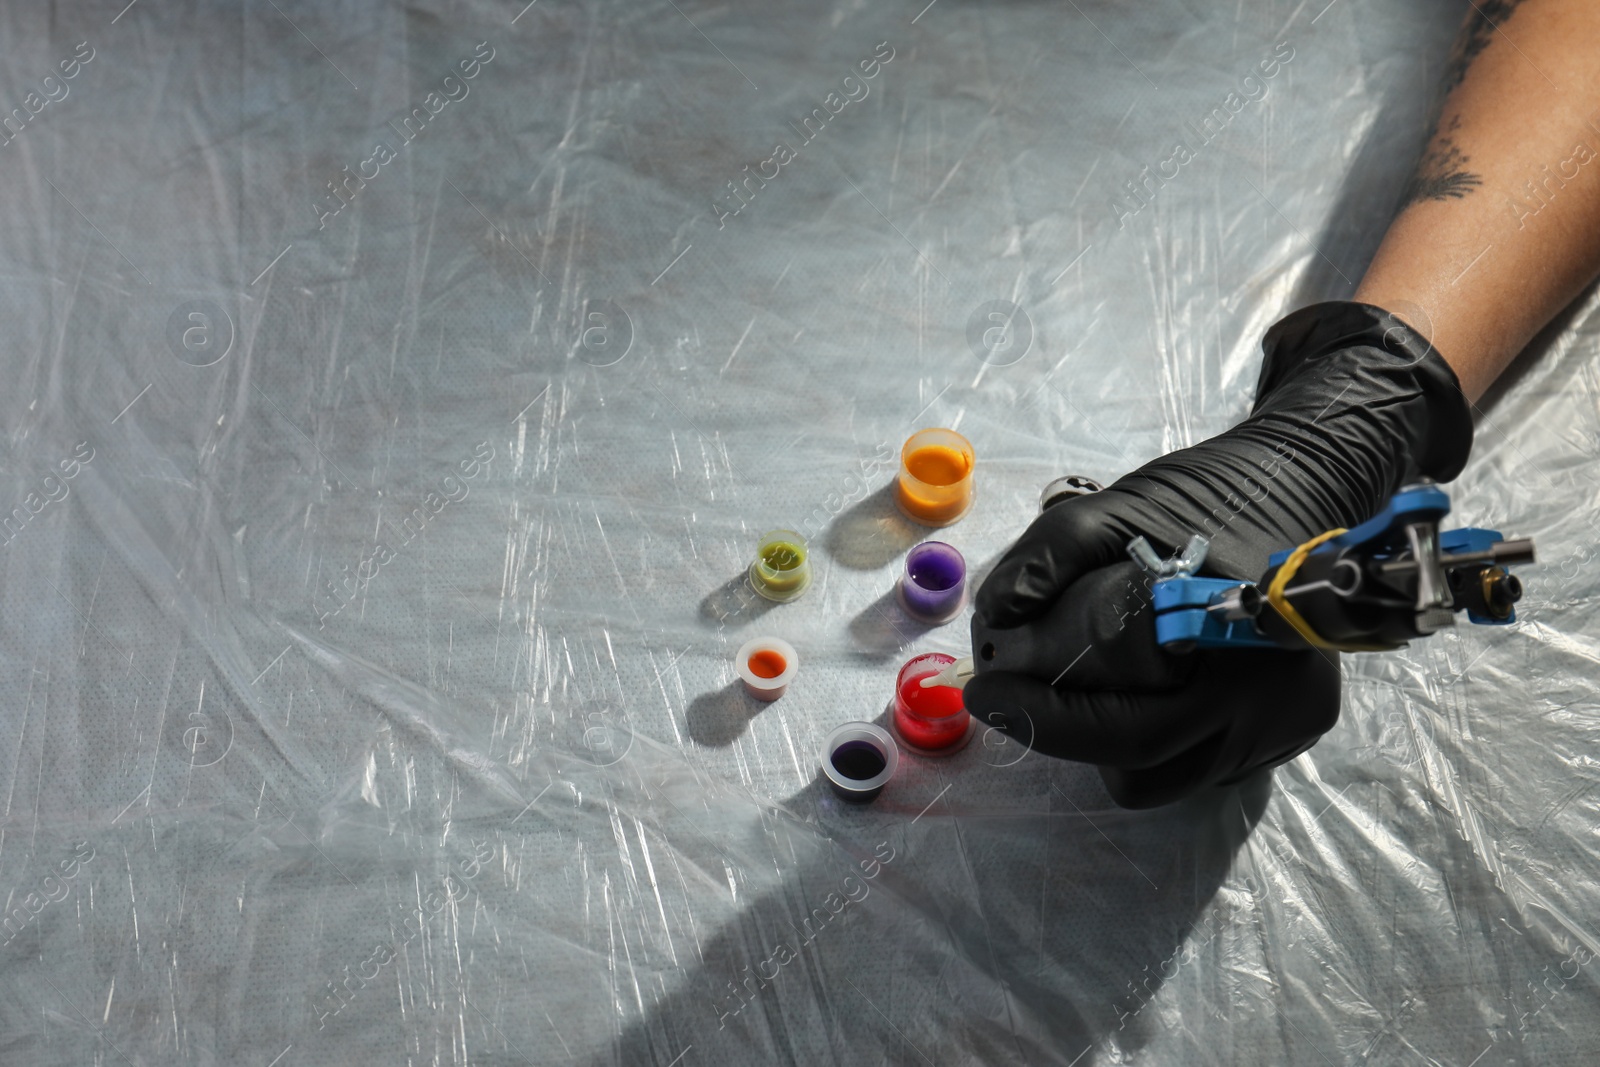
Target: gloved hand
1350 405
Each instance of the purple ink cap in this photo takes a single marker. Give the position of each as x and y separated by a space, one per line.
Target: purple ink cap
934 588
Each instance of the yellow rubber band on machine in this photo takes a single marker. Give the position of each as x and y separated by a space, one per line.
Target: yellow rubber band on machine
1280 602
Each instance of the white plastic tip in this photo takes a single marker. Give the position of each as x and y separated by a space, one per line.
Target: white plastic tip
956 675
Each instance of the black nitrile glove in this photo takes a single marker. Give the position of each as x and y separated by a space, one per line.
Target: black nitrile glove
1351 404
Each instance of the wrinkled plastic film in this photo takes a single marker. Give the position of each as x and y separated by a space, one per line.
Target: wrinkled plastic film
396 398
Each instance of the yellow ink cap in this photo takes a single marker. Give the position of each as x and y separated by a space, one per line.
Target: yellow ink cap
781 570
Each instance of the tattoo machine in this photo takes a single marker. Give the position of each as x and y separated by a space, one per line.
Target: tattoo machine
1393 579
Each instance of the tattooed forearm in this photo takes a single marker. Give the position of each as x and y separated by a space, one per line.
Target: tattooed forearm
1483 22
1443 173
1500 232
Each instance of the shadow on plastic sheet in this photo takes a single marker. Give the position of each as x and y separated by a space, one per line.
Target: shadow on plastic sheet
1369 198
990 936
883 628
1562 326
872 533
734 603
976 576
720 718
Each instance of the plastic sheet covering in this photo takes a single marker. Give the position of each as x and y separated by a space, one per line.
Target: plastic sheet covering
394 396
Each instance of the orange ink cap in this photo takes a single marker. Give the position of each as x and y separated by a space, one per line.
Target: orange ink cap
766 666
935 487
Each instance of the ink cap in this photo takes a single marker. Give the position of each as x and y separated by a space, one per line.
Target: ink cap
858 759
766 666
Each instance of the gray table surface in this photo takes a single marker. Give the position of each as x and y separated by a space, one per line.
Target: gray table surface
384 447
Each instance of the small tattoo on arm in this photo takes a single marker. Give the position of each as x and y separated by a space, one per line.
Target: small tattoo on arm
1443 173
1482 24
